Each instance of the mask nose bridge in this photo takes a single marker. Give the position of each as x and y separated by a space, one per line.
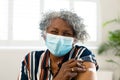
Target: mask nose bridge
58 45
61 40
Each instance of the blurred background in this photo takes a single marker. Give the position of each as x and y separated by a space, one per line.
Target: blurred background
20 34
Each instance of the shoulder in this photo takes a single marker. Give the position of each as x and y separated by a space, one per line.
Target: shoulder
33 55
83 51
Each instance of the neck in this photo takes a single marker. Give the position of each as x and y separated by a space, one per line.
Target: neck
55 59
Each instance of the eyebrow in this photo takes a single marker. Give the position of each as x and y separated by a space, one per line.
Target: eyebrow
68 30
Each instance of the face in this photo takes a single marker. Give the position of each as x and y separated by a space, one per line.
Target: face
59 46
60 27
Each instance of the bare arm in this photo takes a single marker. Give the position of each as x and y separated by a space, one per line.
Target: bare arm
90 74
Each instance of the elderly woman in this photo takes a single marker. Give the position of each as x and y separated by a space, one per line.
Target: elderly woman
63 60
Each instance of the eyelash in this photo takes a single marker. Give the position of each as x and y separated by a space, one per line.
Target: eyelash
67 34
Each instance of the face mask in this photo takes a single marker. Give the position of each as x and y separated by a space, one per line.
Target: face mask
58 45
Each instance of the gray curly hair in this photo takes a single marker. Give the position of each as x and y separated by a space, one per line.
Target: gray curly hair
75 22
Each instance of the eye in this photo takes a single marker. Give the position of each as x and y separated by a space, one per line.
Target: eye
54 32
68 34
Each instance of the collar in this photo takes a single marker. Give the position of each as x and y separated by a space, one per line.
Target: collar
46 59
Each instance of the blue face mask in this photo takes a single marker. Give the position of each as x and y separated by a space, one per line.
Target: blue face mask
58 45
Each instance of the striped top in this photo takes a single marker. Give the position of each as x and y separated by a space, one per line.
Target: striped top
36 64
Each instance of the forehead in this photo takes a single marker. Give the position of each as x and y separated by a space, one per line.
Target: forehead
60 24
